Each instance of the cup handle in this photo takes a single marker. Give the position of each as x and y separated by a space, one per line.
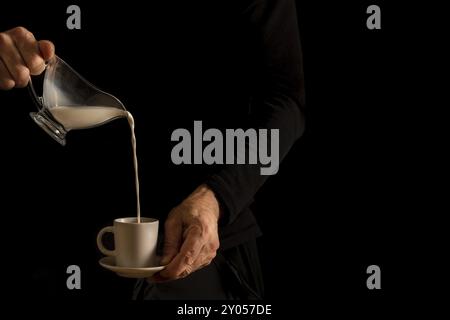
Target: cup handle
100 245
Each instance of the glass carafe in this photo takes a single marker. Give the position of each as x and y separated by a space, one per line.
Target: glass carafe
70 102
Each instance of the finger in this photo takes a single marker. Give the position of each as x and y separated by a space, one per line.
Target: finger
204 259
6 79
47 49
172 240
184 260
192 246
175 269
13 61
164 276
29 49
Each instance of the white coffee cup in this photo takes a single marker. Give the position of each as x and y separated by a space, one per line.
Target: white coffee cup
135 243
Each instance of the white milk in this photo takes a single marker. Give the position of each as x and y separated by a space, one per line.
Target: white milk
133 144
85 117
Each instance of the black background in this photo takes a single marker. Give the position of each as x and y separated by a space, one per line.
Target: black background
347 195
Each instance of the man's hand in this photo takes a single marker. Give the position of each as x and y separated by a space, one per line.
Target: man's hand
191 238
21 55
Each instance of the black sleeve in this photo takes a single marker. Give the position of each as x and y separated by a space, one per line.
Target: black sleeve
277 99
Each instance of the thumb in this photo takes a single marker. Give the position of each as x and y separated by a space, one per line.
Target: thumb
47 49
172 240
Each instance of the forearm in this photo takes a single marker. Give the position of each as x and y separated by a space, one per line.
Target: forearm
277 98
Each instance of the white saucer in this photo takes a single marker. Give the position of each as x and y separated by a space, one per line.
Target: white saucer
127 272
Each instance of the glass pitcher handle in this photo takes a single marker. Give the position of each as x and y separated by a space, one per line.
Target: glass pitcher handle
37 99
43 118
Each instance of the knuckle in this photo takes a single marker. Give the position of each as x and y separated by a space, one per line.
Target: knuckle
196 231
209 228
199 232
189 254
22 76
187 271
7 84
36 63
20 32
214 245
4 39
